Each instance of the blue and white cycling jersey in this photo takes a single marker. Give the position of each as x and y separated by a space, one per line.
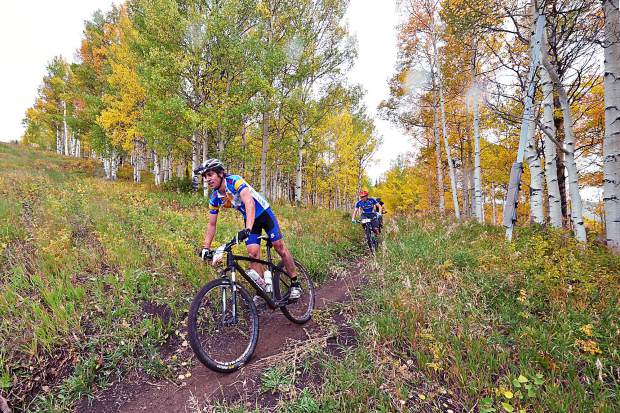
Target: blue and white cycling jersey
232 198
367 206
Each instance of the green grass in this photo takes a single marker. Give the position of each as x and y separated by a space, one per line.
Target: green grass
80 257
456 311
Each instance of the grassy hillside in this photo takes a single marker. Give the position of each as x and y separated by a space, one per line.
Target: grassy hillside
456 319
96 275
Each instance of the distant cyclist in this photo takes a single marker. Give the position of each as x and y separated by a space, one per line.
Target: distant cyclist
366 206
232 191
380 208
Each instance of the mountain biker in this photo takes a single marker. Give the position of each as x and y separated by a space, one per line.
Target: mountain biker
380 204
232 191
366 206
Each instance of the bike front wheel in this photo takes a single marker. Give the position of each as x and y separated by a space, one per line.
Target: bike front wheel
299 311
223 326
371 238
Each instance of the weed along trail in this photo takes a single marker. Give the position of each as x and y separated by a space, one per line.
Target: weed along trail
279 341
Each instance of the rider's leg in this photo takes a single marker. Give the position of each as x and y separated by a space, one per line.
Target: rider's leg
254 252
287 258
272 228
295 290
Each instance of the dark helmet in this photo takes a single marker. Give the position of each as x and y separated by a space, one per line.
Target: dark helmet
212 164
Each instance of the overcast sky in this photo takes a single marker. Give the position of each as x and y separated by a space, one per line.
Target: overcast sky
34 31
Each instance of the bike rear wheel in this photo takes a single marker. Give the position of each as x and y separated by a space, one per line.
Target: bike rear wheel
371 238
298 311
223 339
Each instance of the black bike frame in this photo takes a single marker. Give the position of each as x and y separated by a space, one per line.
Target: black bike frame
232 266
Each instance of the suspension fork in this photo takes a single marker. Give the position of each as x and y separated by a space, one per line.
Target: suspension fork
233 296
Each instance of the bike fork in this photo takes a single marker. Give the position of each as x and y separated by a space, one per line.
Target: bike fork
233 299
234 296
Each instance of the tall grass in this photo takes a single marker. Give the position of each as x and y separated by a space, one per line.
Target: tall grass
81 256
456 317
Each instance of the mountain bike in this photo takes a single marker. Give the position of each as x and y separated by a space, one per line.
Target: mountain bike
223 320
371 237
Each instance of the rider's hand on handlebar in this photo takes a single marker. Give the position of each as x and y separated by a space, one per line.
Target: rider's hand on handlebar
353 221
243 234
205 254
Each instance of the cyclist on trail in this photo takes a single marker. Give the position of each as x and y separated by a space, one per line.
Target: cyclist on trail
232 191
366 206
380 208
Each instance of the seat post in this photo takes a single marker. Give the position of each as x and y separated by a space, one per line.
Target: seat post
269 245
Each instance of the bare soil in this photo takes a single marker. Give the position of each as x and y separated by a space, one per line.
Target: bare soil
205 387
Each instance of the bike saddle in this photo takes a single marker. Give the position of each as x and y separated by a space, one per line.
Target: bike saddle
267 239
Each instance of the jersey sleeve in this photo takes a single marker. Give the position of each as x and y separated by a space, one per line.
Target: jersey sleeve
374 201
236 184
214 204
358 204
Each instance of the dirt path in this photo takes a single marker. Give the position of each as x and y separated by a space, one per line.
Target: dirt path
205 385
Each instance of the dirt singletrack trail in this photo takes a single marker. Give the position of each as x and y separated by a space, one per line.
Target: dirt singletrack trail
204 385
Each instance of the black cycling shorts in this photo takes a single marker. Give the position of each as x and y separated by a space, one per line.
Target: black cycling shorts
266 221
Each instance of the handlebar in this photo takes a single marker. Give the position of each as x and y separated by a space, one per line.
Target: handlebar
231 244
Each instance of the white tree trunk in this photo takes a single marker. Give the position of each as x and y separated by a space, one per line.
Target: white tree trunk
220 141
300 154
551 171
170 166
205 153
107 168
611 144
58 141
493 206
243 144
65 136
114 165
137 177
536 177
156 169
455 197
440 187
477 177
72 144
569 149
451 172
263 154
195 151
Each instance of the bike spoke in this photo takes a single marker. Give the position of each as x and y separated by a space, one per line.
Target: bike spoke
222 336
300 309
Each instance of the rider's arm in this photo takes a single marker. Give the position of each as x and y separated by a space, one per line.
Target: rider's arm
248 201
210 232
354 213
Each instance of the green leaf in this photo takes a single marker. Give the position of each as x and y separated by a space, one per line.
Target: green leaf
508 407
531 393
519 395
516 383
522 379
5 381
486 405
